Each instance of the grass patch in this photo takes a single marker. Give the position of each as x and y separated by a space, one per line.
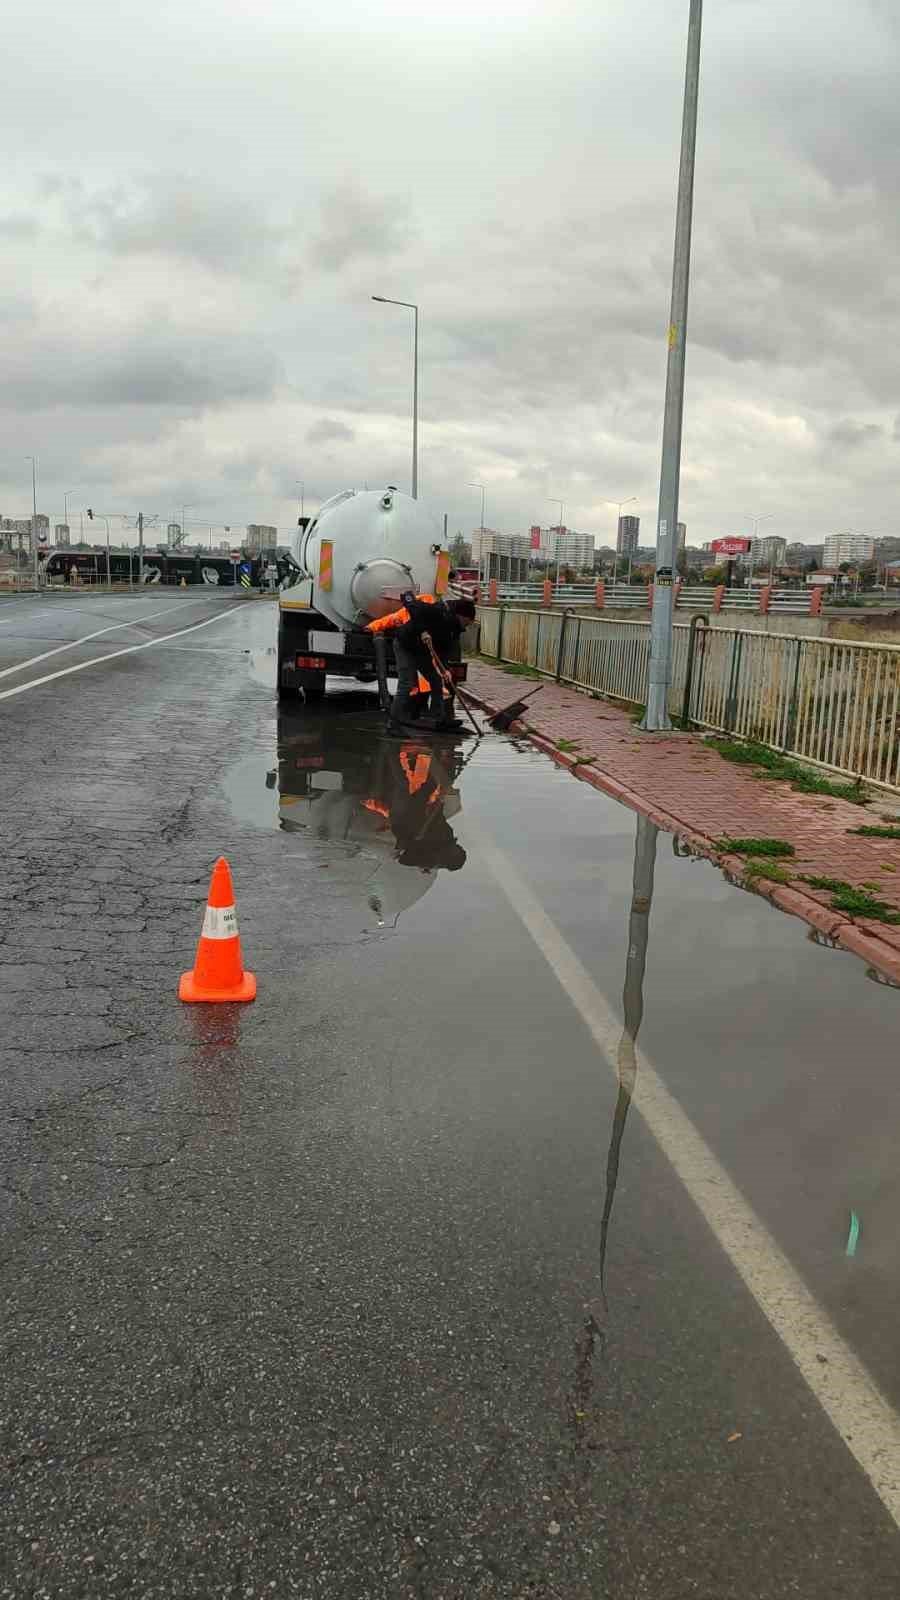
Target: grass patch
757 847
567 746
760 868
638 714
776 766
515 668
876 833
856 902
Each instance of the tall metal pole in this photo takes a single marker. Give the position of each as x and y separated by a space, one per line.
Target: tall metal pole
415 459
481 534
559 534
140 549
410 305
34 546
659 677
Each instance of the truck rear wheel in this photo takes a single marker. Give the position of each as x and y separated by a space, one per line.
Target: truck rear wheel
287 650
313 686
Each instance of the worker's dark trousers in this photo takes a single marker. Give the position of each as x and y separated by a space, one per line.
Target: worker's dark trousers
409 664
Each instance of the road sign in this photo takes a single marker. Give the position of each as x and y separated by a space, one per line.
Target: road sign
235 555
42 538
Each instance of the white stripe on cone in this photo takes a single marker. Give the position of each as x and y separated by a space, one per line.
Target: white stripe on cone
219 922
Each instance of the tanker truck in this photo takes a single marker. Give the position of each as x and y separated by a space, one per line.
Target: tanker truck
350 564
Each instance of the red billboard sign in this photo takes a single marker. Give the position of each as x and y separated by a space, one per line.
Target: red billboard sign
535 538
730 547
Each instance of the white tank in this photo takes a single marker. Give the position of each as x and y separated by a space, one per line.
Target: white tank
381 543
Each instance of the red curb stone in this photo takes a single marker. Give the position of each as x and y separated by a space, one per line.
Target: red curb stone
686 789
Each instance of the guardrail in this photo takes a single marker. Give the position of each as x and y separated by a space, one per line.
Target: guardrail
601 596
827 701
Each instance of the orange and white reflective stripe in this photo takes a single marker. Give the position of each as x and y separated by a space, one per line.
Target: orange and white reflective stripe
219 922
326 564
442 572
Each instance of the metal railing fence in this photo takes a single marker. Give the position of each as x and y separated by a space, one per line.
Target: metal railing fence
624 596
831 702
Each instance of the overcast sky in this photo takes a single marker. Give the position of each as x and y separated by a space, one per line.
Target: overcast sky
202 196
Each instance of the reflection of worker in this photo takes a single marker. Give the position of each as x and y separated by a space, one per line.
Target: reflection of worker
424 836
433 630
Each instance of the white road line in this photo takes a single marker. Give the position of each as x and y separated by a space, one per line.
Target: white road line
72 644
112 655
862 1415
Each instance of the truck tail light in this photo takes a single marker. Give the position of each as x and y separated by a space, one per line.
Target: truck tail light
314 662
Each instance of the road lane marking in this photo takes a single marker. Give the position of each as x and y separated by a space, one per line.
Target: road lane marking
72 644
113 655
846 1391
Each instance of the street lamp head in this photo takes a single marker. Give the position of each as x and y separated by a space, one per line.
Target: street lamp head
380 298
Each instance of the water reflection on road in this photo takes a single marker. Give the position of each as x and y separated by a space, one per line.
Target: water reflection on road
646 834
387 802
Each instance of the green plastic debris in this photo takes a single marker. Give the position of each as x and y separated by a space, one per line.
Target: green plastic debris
853 1235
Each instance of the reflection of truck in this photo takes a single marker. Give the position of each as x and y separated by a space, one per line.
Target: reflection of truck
350 565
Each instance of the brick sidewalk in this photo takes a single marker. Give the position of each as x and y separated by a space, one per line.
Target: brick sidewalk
691 790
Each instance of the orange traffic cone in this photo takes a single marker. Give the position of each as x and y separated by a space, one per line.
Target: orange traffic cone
218 972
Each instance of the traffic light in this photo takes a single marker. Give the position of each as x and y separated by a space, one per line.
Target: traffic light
90 514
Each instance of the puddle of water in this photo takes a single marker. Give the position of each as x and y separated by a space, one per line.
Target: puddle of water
381 808
779 1049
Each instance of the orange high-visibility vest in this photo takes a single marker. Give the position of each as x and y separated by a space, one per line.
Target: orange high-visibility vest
416 773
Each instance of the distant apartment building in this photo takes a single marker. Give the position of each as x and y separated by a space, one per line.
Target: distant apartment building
681 541
852 548
501 555
260 537
770 551
62 536
173 534
627 537
569 548
15 532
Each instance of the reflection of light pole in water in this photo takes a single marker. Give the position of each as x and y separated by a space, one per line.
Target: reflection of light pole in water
632 1010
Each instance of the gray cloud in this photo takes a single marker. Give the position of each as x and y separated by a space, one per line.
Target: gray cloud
170 214
328 431
850 435
151 365
196 297
356 225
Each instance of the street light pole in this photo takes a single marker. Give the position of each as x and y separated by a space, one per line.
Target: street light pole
34 547
66 508
481 533
619 504
411 306
755 520
562 508
659 676
302 493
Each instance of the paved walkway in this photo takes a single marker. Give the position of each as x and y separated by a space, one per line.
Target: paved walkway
690 789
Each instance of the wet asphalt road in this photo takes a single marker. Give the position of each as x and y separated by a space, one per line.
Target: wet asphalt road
304 1297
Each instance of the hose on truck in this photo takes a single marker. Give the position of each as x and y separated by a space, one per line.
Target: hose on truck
381 671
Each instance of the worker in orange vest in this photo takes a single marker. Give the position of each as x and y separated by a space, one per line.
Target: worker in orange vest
390 624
